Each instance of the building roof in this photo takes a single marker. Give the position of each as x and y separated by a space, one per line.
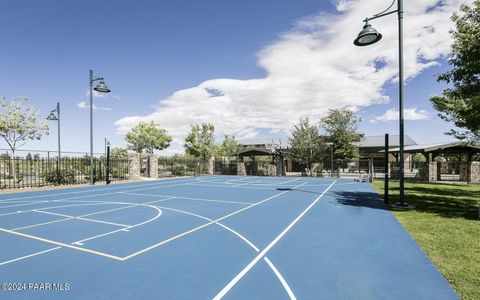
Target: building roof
366 142
254 151
379 141
452 148
279 142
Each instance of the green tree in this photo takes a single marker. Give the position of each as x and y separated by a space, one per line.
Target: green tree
118 153
200 142
307 144
20 123
147 136
460 103
340 127
228 146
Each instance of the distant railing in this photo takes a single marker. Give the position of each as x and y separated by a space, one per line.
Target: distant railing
47 153
34 171
171 167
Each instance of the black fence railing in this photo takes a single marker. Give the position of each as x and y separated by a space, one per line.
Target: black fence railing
171 167
23 172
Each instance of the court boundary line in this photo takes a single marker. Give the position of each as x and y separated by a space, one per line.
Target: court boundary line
151 247
97 190
186 198
252 263
28 256
99 253
129 204
248 242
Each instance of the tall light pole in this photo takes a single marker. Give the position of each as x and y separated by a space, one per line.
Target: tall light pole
55 116
370 36
101 88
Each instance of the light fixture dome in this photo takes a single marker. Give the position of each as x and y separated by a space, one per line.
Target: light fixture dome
102 87
367 36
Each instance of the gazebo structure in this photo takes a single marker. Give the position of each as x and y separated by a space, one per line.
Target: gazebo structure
252 167
466 171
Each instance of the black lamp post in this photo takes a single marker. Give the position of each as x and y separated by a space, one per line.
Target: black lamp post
101 88
368 36
55 116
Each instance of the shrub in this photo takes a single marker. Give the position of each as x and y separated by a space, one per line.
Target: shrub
63 177
178 170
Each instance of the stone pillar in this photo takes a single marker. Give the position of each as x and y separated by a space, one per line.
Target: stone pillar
370 170
241 168
464 168
279 171
474 172
211 165
134 165
153 166
272 170
431 171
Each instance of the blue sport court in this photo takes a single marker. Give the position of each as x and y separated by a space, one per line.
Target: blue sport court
211 237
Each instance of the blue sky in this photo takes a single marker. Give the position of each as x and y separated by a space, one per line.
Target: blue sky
269 62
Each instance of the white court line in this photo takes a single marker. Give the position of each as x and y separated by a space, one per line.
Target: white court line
187 198
235 186
69 217
60 244
41 224
24 204
90 238
242 273
94 195
270 264
290 180
81 218
97 190
27 256
159 213
202 226
280 278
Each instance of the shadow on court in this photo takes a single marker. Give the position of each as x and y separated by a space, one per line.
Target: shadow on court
361 199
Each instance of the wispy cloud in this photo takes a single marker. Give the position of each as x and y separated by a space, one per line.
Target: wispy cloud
83 104
310 69
411 114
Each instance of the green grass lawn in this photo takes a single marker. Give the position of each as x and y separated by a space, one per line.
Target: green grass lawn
446 225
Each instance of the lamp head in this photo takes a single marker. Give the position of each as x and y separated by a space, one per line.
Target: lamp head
367 36
102 87
52 117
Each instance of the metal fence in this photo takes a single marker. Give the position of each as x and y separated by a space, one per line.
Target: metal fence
225 167
23 172
171 167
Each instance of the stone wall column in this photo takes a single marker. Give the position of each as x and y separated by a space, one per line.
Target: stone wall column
464 170
153 166
474 172
211 165
272 170
432 174
134 165
241 168
279 171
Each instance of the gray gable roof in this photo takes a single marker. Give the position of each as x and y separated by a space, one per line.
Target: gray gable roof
365 142
379 141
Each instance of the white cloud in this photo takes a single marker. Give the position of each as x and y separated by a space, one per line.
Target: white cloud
310 69
411 114
83 104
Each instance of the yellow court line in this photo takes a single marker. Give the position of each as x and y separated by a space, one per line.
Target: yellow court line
62 244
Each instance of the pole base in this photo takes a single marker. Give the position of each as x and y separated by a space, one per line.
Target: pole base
404 205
